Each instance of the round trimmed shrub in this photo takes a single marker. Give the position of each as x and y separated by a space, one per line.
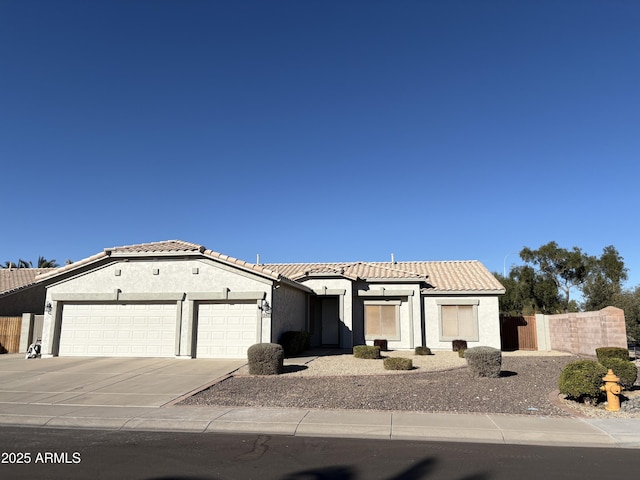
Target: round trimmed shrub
265 359
624 369
367 352
484 361
581 380
612 352
397 363
458 345
294 342
423 351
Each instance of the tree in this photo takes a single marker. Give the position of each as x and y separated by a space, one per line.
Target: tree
528 292
605 281
629 301
567 269
42 263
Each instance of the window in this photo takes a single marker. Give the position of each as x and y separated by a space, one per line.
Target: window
381 320
459 320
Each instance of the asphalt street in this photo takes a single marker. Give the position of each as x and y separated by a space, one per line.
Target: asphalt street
102 454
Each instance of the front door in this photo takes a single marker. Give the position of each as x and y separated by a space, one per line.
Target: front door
330 327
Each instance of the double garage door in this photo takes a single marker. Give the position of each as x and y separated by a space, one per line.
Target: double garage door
224 330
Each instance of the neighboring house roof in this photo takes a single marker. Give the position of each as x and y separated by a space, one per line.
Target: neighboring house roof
166 248
446 276
12 279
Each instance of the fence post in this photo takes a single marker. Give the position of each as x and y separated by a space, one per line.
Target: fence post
26 331
542 332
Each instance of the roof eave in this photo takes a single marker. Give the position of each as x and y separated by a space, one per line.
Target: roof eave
436 292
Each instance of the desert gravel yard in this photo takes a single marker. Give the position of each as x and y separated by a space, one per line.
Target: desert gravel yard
439 383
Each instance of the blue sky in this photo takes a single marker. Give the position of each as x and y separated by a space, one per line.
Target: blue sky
320 130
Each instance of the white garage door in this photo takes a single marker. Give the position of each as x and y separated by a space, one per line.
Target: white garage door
226 330
115 330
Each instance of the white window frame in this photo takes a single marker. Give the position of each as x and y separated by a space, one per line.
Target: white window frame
459 302
376 303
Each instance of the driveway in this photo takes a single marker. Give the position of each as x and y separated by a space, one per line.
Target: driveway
100 381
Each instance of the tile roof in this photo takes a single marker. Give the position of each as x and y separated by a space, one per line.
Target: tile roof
449 276
12 279
164 248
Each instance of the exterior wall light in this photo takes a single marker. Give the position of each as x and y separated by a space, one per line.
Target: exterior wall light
48 308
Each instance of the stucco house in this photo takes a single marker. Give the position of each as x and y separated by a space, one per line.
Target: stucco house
175 298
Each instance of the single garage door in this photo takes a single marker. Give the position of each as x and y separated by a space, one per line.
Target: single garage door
117 330
226 330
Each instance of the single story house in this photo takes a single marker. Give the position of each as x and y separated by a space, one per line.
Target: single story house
175 298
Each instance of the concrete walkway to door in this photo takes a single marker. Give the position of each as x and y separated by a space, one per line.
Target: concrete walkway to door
101 381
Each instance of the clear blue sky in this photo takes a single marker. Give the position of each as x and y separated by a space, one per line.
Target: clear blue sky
320 130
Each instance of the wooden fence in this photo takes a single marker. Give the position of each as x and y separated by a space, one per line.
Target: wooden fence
518 333
10 328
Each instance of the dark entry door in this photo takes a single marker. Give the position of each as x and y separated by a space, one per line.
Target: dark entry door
330 322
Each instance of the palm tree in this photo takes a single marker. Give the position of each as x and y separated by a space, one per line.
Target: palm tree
44 263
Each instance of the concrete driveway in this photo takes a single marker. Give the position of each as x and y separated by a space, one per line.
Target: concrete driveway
100 381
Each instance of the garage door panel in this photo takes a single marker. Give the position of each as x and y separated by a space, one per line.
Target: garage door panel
226 330
118 330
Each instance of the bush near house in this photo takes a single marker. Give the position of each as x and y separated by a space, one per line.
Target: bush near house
294 342
484 361
423 351
624 369
459 345
266 359
397 363
366 352
581 380
612 352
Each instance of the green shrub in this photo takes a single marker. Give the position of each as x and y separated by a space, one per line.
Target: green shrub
484 361
459 345
581 380
366 351
612 352
461 352
626 370
265 359
397 363
423 351
294 342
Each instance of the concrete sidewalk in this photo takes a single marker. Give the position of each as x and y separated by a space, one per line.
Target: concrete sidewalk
499 429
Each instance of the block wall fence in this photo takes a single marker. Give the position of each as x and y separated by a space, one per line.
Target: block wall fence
582 332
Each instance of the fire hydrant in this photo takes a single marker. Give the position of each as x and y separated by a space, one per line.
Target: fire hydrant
613 390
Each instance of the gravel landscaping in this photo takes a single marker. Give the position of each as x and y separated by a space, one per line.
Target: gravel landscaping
438 383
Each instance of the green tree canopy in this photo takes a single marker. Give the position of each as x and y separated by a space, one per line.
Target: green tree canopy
567 269
605 282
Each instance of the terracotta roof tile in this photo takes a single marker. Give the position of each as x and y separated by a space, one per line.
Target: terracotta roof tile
448 276
165 248
12 279
168 246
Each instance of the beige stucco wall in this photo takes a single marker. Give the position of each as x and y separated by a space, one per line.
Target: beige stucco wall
289 311
488 322
153 280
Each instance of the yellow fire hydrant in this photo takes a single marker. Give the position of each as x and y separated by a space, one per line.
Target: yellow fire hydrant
613 390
